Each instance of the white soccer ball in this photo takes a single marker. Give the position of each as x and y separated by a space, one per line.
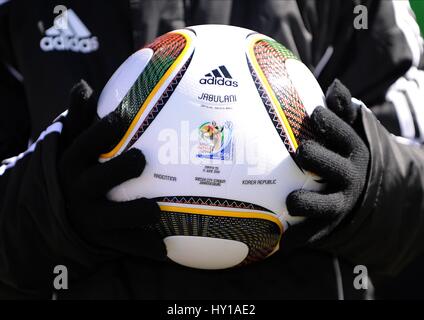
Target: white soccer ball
218 112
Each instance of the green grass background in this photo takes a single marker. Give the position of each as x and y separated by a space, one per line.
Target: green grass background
418 6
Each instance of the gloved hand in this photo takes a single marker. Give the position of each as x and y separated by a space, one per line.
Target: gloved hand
371 209
116 228
340 157
53 205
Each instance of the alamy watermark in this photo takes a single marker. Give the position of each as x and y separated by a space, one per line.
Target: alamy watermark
360 22
60 281
61 20
215 143
360 282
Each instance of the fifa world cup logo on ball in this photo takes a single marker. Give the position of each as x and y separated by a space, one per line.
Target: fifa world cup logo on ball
215 140
211 136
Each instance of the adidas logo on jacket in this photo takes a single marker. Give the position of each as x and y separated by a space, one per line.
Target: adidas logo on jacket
75 37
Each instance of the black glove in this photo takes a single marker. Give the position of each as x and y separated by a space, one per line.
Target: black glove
53 209
340 157
116 228
371 212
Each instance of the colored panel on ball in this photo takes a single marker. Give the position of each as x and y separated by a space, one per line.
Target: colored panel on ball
225 213
270 57
261 236
257 227
272 112
168 50
159 104
212 202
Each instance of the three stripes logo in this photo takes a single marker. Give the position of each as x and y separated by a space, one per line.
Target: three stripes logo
220 77
73 36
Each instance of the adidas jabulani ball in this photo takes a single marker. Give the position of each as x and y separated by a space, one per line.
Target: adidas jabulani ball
218 112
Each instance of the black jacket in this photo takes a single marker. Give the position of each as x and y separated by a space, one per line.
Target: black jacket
38 73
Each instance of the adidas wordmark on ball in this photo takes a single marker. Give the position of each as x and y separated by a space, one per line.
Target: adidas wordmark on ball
218 112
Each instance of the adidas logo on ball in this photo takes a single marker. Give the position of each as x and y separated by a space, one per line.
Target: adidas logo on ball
220 77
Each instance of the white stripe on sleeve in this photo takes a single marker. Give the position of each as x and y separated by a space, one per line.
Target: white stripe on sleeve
10 163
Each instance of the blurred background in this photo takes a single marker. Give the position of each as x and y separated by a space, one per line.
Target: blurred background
408 285
418 6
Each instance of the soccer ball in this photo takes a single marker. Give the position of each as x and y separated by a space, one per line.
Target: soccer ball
218 112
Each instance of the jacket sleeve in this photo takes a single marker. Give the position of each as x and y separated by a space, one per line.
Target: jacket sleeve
385 67
386 231
402 111
35 235
14 119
